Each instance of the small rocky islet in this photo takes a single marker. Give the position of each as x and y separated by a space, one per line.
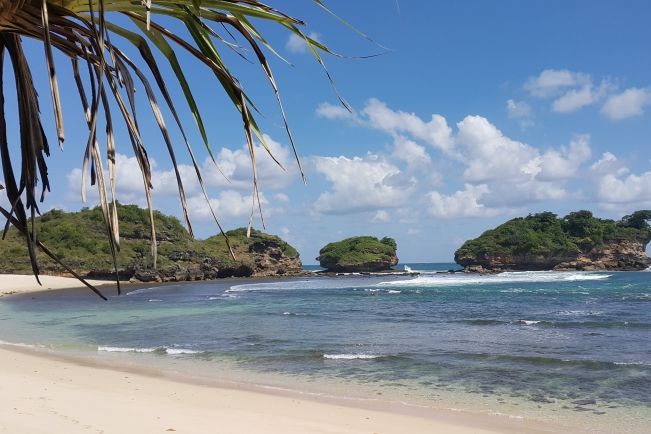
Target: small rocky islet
544 241
359 255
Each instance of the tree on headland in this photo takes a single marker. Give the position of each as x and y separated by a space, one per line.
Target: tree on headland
94 35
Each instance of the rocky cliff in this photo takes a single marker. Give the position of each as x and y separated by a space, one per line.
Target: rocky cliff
578 241
359 254
80 240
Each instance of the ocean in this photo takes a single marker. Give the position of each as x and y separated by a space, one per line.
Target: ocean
572 348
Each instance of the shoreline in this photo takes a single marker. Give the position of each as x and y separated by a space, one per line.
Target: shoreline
11 284
61 388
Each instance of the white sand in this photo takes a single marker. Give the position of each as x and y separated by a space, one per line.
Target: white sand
18 283
41 394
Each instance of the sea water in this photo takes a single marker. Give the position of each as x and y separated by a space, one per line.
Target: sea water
568 347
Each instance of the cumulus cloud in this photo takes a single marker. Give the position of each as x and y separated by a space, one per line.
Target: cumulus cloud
413 154
565 163
614 189
237 170
381 216
570 90
228 204
335 111
575 99
552 82
463 203
490 155
129 182
361 184
630 103
296 44
520 111
513 172
434 132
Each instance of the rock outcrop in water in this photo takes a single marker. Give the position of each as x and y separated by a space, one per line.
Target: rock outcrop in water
80 240
359 254
577 241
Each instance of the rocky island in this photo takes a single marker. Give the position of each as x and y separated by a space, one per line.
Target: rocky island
359 254
79 239
578 241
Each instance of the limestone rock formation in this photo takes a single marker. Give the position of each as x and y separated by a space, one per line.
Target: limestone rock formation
577 241
80 239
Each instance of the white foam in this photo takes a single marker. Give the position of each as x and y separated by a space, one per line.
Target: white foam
507 277
350 356
175 351
19 344
143 290
528 322
125 350
170 351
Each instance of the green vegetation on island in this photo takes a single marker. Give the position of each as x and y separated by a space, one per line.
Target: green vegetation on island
359 254
577 241
79 239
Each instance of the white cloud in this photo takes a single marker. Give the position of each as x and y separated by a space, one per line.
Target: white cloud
434 132
281 197
514 172
334 111
573 100
564 163
518 109
236 167
520 170
463 203
571 90
296 44
235 164
608 163
361 184
552 82
629 103
489 155
413 154
381 216
129 182
625 190
229 204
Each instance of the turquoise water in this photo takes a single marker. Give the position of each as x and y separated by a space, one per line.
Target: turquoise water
567 344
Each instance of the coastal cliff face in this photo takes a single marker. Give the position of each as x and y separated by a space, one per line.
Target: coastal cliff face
80 240
578 241
358 255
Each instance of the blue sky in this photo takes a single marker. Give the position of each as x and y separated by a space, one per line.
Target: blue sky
479 112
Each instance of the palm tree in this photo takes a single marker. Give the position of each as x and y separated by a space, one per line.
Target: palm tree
85 31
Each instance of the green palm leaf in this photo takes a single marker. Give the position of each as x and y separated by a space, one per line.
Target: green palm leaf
87 32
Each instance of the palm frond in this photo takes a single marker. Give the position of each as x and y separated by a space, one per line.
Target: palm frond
107 80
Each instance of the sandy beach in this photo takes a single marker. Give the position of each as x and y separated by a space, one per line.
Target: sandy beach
19 283
54 393
48 394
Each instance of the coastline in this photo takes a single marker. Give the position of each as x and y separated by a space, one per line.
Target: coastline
26 283
457 413
56 393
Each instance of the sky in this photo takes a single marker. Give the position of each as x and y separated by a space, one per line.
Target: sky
473 112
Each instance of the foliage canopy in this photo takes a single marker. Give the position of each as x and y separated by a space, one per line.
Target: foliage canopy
545 234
